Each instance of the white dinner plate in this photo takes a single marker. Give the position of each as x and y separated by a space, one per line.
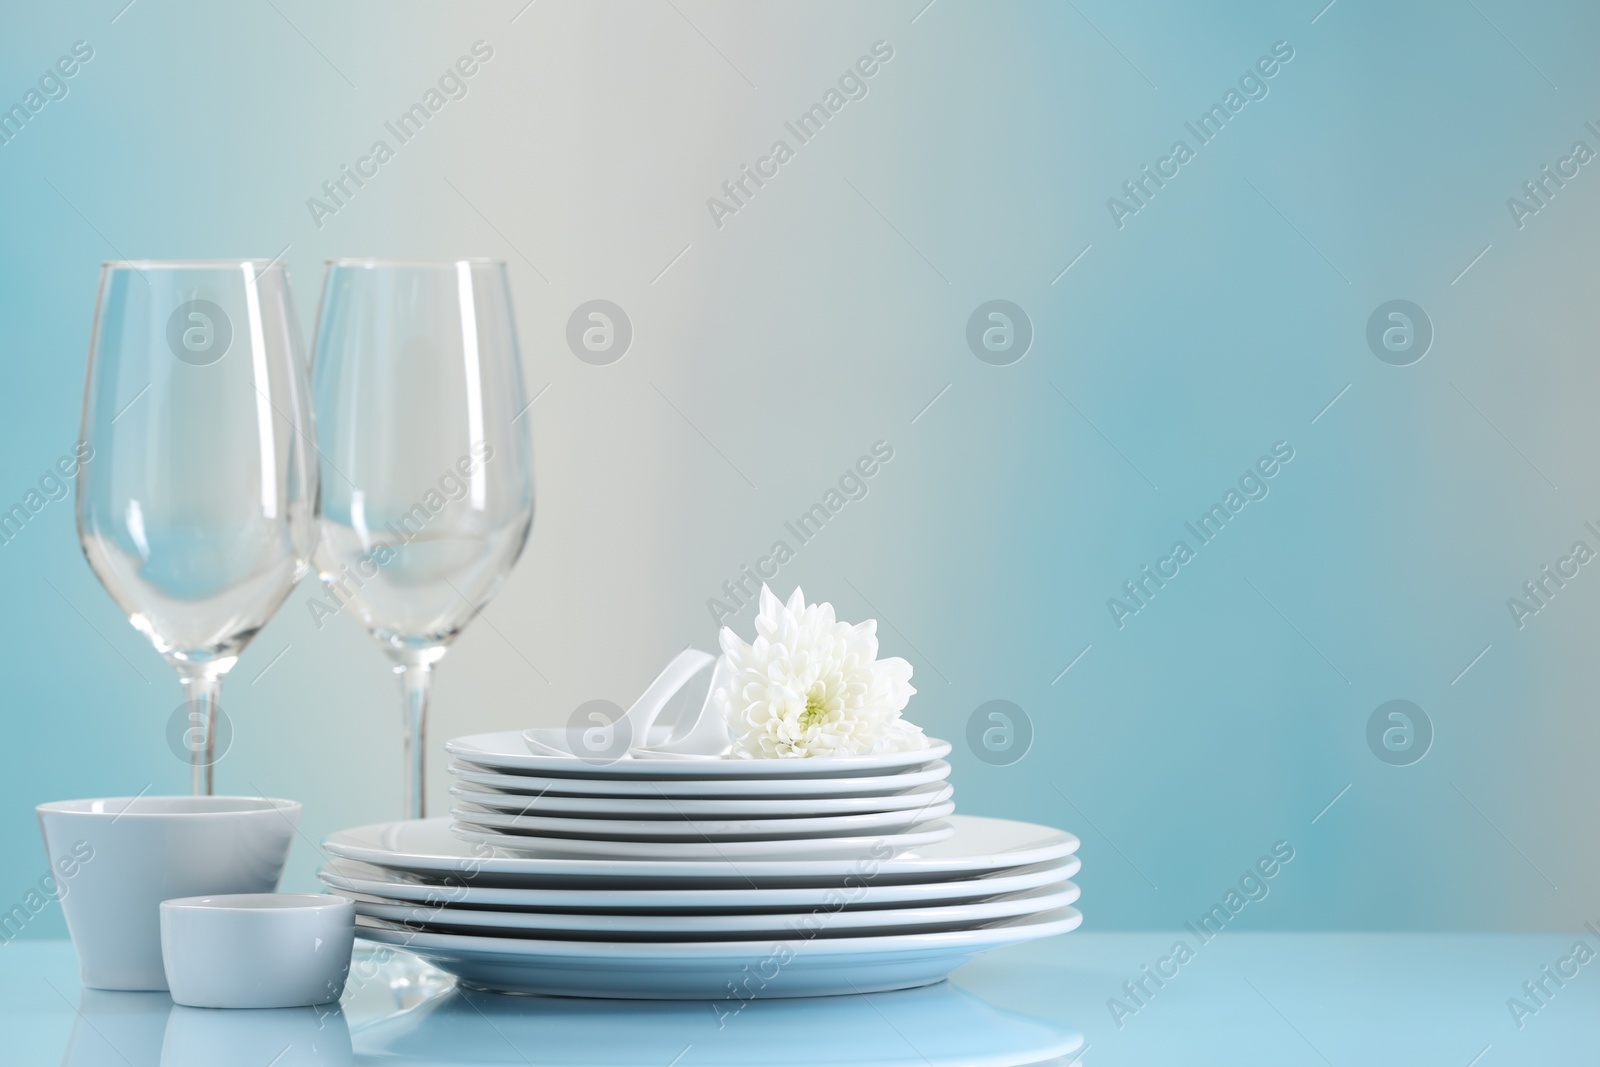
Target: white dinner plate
372 881
507 751
700 808
817 922
705 831
705 970
427 847
863 786
730 850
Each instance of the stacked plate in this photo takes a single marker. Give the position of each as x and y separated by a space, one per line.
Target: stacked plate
702 878
697 808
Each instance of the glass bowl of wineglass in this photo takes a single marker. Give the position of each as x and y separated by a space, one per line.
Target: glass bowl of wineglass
198 512
426 464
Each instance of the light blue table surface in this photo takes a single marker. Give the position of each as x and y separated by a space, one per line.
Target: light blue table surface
1245 998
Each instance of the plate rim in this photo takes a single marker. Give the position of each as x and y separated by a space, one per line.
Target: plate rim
937 771
464 791
633 767
1066 868
859 847
790 824
953 942
1051 896
1065 843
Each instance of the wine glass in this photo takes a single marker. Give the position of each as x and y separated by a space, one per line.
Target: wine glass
197 500
427 469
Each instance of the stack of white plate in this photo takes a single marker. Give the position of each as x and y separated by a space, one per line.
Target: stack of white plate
705 928
702 878
697 808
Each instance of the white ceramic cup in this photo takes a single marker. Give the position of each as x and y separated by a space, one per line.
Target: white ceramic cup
257 950
116 860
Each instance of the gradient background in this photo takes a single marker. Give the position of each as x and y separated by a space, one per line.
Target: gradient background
770 353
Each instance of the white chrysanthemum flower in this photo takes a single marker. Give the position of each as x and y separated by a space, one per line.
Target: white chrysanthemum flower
810 685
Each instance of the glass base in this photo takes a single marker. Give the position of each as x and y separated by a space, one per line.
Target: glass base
383 977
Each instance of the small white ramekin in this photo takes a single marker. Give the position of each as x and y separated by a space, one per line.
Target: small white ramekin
257 950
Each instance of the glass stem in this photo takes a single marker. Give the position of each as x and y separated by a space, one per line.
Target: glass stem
416 675
202 692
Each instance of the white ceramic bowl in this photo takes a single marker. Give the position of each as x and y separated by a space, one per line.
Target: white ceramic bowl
257 950
115 860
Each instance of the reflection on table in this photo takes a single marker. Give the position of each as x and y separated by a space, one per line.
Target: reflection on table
148 1030
935 1025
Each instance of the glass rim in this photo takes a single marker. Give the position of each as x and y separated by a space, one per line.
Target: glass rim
187 264
378 261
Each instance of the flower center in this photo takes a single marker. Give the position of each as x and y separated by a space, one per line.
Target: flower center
814 711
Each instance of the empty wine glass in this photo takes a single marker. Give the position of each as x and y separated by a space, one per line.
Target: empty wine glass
197 503
427 469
